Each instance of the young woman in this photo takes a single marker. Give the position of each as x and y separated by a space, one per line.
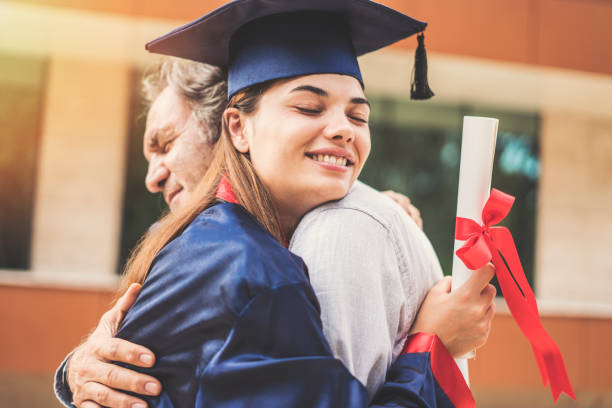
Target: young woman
227 310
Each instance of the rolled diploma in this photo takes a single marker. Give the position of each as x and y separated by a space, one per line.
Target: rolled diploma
475 171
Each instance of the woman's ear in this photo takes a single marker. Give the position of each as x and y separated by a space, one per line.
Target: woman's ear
236 128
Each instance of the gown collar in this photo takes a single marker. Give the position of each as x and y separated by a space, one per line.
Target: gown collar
225 192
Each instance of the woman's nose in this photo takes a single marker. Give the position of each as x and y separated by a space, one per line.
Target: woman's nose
157 174
340 128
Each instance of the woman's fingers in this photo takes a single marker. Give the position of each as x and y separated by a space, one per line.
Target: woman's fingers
443 286
415 214
490 312
488 294
479 279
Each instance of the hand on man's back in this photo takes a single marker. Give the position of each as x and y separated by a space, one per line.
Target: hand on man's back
406 205
92 377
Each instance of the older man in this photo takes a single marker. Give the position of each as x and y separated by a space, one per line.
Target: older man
370 264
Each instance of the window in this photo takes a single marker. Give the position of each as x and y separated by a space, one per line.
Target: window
416 149
22 90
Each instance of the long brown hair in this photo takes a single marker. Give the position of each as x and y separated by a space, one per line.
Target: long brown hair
247 187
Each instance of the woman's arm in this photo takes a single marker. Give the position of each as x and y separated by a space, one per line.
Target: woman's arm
241 327
276 355
407 370
241 315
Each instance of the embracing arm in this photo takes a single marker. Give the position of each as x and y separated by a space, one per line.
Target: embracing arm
87 377
410 370
249 334
174 304
277 352
276 355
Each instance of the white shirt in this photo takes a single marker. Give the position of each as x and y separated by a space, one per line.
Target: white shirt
370 266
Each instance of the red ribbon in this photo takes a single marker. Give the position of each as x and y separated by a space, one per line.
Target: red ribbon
486 242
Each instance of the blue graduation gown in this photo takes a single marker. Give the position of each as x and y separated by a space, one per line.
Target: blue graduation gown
233 321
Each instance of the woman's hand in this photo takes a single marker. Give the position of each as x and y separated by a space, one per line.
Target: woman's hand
462 318
93 378
405 203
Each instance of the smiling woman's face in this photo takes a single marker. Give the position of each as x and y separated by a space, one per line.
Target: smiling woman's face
308 140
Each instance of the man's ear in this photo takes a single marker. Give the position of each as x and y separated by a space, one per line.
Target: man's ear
236 128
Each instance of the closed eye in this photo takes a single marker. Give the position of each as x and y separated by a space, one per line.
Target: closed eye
161 141
167 146
308 111
358 119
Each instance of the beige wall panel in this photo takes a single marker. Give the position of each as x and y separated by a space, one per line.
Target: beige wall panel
575 209
40 30
81 169
484 82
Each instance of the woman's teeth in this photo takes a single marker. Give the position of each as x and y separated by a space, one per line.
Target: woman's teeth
335 160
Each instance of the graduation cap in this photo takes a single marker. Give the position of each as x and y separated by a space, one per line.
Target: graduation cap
262 40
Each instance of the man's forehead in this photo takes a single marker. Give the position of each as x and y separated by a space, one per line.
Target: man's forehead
167 111
167 104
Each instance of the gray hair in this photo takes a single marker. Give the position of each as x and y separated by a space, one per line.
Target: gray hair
203 86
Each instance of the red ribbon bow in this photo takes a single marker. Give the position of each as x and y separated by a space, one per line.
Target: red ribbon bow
486 242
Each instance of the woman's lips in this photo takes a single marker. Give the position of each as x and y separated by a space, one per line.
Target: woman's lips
328 163
332 158
335 152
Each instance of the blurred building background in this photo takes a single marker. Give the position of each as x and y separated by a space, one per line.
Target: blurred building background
73 202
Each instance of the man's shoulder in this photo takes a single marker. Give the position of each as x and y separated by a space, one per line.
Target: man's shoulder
362 200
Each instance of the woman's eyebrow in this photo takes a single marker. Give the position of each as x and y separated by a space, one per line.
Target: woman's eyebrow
310 88
321 92
361 101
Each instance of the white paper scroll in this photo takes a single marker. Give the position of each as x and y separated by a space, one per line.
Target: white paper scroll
475 171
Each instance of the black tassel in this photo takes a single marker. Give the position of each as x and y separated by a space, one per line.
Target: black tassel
419 87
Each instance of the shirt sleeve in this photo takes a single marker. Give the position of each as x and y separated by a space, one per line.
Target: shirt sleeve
354 271
60 384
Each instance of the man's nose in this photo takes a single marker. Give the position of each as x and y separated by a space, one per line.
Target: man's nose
157 174
339 127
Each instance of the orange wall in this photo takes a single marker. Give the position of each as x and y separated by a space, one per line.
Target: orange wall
506 361
570 34
41 325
